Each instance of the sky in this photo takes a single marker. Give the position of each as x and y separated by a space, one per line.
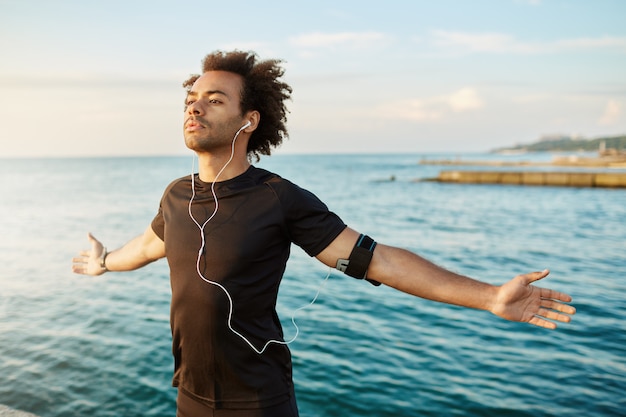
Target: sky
103 78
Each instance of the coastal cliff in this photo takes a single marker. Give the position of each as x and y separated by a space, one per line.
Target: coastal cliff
564 143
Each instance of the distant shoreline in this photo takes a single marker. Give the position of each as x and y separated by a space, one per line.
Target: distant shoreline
563 143
616 161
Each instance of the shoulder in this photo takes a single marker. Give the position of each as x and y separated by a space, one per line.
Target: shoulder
180 187
293 197
283 187
178 183
278 184
261 176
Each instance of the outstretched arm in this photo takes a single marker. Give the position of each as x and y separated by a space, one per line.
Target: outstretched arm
138 252
516 300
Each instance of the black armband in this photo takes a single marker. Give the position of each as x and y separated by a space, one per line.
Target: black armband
360 257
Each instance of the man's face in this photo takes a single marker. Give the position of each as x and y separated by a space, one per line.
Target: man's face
212 111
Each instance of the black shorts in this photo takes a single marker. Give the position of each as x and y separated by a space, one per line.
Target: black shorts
188 407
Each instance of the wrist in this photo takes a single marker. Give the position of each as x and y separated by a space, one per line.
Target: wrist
493 296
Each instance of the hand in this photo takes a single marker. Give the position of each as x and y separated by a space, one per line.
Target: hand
518 300
89 261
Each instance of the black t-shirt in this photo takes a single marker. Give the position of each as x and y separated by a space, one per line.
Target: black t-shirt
247 246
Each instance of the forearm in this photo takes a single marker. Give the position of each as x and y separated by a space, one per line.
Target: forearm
410 273
138 252
129 257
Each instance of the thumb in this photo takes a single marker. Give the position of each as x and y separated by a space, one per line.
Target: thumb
96 245
535 276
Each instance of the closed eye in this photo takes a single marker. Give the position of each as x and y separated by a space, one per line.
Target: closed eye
209 96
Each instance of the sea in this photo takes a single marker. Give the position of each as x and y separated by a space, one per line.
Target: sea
73 346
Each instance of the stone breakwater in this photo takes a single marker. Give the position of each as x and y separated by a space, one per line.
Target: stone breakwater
9 412
565 179
603 161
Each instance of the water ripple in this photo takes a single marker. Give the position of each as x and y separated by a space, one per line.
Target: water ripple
75 346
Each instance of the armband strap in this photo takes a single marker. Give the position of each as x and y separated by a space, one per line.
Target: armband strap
360 257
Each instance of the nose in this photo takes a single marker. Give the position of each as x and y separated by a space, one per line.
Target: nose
194 108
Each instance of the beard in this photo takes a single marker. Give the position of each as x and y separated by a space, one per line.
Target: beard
212 136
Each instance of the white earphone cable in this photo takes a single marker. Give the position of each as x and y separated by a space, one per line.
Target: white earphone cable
217 284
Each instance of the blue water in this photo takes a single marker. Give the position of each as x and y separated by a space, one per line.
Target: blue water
80 346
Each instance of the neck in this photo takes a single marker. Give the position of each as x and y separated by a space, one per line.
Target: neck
218 168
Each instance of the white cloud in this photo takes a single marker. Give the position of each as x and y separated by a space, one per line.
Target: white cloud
477 42
410 109
612 113
490 42
464 99
245 46
432 108
323 40
531 98
590 43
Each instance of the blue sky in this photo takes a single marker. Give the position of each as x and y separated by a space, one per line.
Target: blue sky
86 77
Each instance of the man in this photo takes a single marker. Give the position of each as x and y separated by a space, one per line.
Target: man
226 233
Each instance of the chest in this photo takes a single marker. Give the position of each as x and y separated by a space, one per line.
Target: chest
242 228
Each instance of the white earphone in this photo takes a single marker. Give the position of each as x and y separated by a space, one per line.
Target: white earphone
201 228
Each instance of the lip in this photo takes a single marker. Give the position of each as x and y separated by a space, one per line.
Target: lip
193 125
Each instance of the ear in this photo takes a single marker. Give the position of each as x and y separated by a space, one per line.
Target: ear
254 117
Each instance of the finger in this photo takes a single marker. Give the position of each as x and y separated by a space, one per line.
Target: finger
556 306
553 315
94 242
535 276
547 293
540 322
92 239
80 269
96 246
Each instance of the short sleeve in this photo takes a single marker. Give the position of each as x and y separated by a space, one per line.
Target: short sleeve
310 224
158 224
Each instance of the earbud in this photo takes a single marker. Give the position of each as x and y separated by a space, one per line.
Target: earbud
246 125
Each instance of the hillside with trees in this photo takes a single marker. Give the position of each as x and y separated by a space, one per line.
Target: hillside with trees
570 144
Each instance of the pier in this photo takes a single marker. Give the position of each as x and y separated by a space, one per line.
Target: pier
549 178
